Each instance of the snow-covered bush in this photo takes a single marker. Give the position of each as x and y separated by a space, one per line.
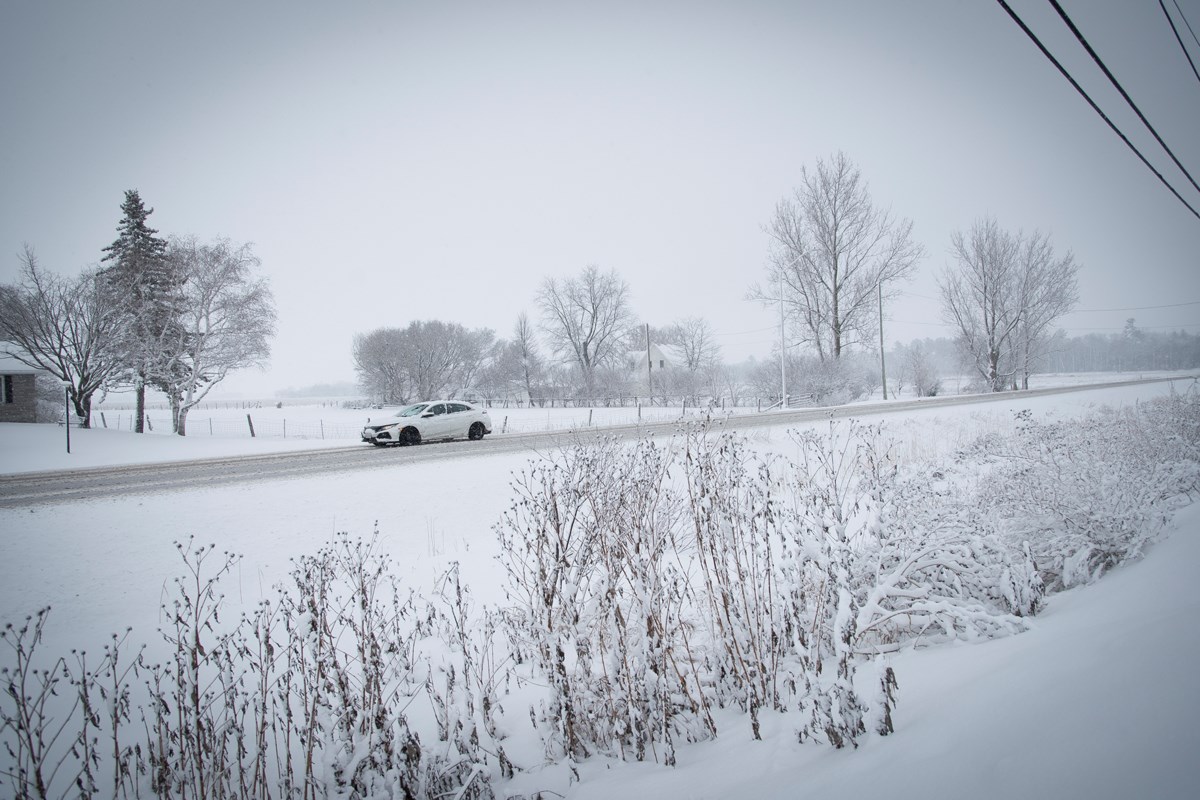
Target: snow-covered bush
1086 495
651 586
732 537
597 604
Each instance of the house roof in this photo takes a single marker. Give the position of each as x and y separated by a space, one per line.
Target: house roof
665 352
11 366
673 354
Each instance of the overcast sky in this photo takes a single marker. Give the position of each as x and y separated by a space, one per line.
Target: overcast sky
437 160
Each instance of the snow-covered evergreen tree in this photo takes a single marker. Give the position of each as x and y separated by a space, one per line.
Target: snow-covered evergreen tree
142 284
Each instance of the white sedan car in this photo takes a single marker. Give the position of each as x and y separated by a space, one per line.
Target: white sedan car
430 420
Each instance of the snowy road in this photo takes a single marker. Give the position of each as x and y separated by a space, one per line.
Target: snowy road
41 488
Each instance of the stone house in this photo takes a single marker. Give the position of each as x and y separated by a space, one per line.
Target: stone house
18 391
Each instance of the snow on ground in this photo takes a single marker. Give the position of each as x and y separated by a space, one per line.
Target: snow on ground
1098 700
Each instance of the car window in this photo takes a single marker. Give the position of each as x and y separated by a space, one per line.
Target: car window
439 409
412 411
456 408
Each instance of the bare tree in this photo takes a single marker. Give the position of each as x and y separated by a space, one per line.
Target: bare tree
921 368
379 361
64 326
833 250
586 318
978 298
224 321
1048 289
725 381
501 377
530 360
423 361
1007 290
698 353
697 344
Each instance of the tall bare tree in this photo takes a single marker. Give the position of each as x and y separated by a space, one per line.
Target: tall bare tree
224 319
1003 296
1049 288
65 326
586 318
832 251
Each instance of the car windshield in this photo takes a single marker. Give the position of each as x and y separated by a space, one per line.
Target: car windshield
412 411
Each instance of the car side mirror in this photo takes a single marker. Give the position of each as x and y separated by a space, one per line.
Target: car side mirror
427 415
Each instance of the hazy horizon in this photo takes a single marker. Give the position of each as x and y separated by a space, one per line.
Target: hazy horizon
400 162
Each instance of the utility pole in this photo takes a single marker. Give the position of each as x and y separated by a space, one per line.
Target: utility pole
882 364
782 350
649 368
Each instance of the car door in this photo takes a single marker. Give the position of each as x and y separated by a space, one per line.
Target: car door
436 422
461 418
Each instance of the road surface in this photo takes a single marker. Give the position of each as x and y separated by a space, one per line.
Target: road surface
40 488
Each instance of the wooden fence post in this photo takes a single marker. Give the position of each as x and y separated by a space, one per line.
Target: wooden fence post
250 422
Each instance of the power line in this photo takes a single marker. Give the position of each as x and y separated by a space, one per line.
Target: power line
932 324
1139 327
1183 17
1135 308
1113 80
1178 38
745 333
907 293
1033 37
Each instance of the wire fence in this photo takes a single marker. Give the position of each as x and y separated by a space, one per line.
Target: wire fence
261 419
236 428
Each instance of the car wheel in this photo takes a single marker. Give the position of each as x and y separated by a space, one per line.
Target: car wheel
410 436
476 432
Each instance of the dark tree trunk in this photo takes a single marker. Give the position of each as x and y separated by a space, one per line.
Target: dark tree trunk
140 415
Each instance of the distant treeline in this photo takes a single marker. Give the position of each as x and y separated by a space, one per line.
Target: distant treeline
1131 349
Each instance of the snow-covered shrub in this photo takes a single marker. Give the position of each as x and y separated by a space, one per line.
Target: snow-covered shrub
598 606
732 537
651 586
1088 494
465 684
834 381
350 651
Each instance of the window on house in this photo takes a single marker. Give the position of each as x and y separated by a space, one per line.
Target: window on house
6 388
662 364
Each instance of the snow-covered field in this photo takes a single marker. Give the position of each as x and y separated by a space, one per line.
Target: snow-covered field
1098 699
